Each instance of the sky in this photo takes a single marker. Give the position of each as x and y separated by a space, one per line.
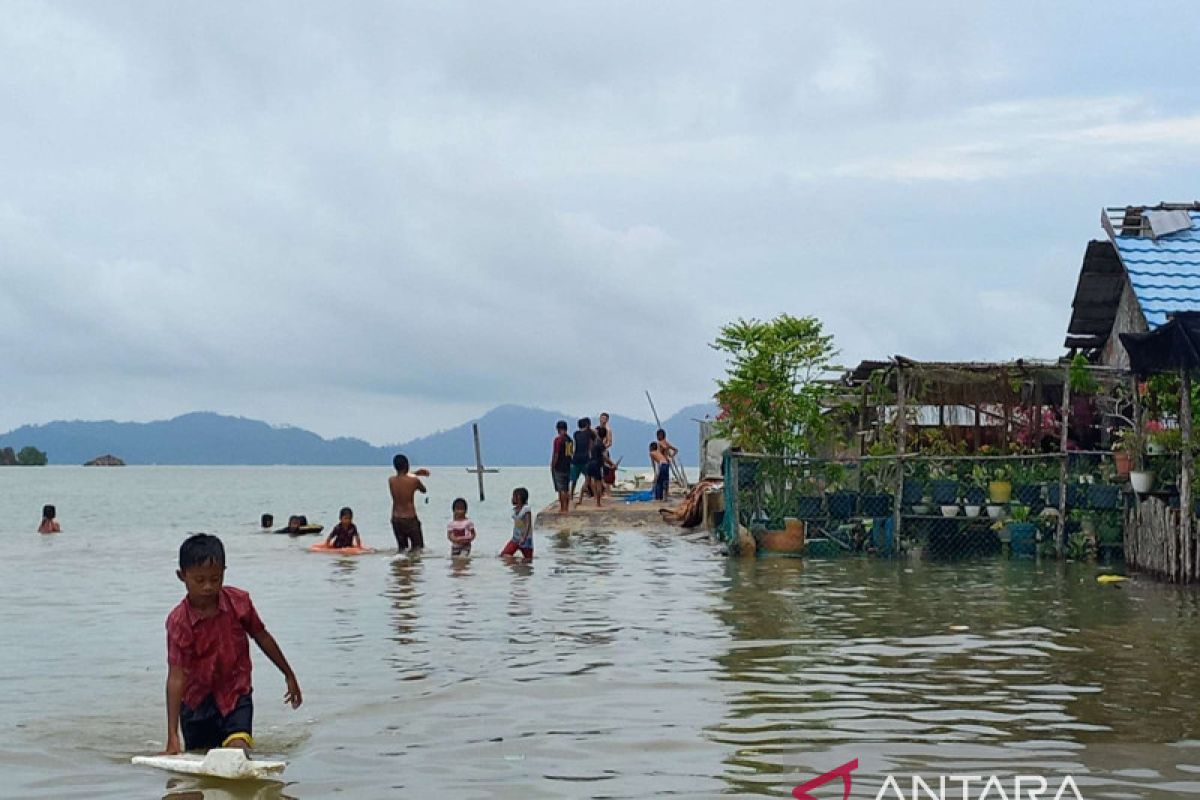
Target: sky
380 219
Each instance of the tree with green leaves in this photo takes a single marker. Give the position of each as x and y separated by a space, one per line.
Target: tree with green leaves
31 457
772 396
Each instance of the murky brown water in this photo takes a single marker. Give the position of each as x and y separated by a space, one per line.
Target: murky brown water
620 664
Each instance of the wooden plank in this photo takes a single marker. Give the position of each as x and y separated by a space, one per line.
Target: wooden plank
901 447
1060 533
1185 480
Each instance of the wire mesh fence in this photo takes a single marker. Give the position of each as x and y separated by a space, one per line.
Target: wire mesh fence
1020 506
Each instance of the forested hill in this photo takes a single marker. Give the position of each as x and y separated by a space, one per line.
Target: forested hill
511 436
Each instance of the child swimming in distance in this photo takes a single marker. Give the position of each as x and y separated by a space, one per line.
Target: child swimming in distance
460 531
522 535
345 533
49 523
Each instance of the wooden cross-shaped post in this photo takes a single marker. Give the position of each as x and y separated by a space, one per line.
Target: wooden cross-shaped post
479 470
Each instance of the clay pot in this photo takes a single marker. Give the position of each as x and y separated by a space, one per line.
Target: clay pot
788 540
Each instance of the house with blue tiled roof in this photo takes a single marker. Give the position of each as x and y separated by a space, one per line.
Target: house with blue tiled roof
1146 269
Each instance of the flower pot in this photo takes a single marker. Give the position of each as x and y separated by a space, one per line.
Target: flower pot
1141 480
882 539
788 540
877 505
995 512
972 510
1028 494
920 509
949 511
943 492
914 490
1123 463
974 496
1076 495
1000 491
1023 539
808 507
1104 495
842 504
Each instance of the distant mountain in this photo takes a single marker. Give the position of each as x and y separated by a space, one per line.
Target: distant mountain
510 435
199 438
518 435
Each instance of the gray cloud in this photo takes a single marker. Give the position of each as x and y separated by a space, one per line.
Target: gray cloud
379 219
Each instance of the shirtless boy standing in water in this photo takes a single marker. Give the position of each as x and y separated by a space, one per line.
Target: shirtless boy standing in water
405 525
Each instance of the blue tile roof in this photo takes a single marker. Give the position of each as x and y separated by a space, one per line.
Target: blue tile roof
1165 272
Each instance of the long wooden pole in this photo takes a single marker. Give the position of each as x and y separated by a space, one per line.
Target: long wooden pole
479 470
1060 533
901 444
478 460
1185 490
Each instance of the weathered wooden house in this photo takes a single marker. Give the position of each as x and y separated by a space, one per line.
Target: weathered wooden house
1147 268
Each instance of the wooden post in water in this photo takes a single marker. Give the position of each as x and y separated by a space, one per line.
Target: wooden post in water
1060 532
901 441
1185 489
862 423
479 470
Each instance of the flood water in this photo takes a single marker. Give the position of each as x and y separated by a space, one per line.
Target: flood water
625 664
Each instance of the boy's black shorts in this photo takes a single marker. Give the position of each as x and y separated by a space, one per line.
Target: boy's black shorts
205 728
407 531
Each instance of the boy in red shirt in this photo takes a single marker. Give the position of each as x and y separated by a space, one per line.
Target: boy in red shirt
208 655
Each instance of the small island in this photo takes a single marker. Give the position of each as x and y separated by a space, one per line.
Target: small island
28 457
107 460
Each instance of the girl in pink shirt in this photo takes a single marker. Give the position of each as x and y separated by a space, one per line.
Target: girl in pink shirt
460 531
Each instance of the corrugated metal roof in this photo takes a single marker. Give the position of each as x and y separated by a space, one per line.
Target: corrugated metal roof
1165 272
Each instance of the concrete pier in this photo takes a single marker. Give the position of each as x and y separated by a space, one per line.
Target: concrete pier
615 514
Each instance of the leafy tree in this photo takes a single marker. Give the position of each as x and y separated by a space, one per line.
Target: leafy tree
773 399
7 457
31 457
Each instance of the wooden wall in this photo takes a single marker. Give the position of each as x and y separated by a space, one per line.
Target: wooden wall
1154 544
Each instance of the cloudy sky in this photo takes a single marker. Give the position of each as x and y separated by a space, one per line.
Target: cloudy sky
382 218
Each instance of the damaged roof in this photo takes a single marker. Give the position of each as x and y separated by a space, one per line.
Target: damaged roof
1159 247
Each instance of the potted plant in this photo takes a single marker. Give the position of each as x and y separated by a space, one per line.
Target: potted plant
1027 486
1022 534
879 477
1122 463
942 488
808 503
1155 444
1132 440
975 492
1000 486
1076 492
841 503
1160 439
1105 493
